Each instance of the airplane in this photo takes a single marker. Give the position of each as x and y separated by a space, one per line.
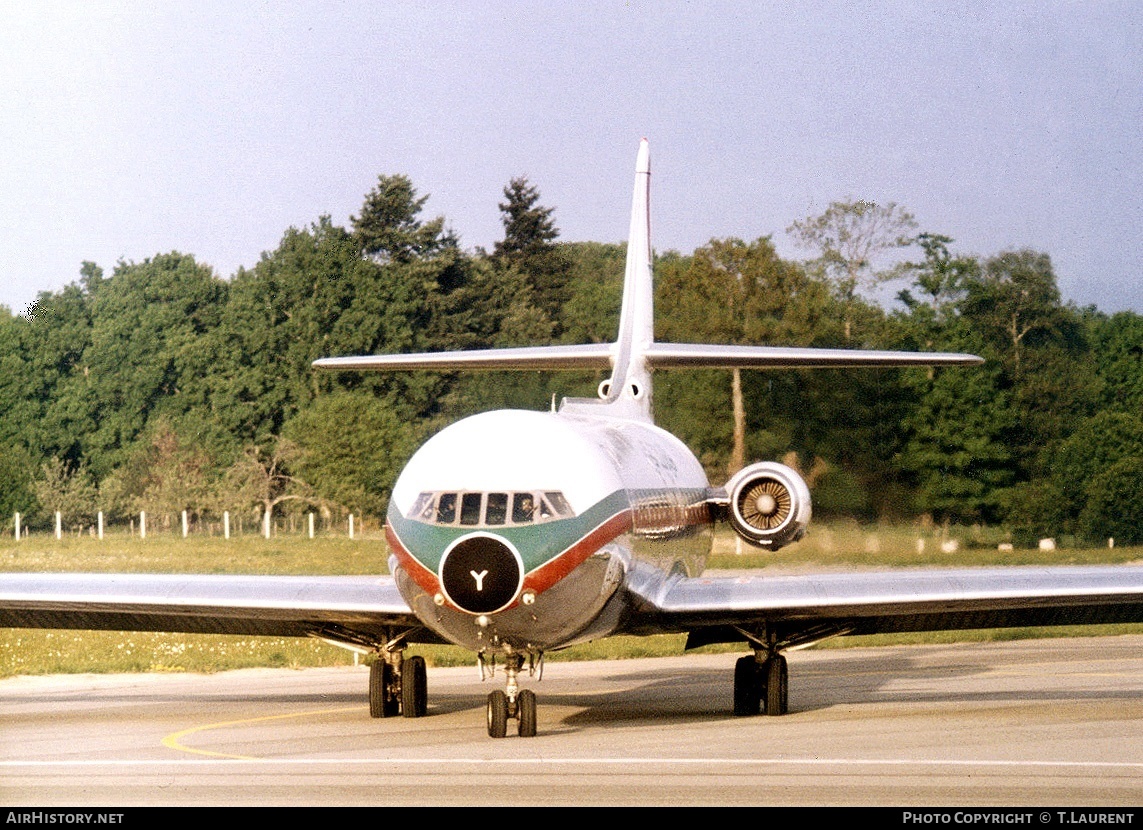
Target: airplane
517 533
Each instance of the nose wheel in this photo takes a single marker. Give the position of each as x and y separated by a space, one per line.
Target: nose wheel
512 703
501 710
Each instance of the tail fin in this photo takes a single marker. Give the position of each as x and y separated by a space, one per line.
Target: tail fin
628 389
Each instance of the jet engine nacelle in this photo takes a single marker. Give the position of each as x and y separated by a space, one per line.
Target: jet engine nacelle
769 505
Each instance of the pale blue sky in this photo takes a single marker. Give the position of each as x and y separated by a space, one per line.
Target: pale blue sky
131 129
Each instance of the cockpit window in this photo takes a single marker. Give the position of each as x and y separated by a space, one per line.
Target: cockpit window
558 504
470 508
523 508
423 507
496 511
446 509
490 509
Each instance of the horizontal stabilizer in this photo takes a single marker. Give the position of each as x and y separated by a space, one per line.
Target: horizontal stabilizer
657 356
590 356
694 355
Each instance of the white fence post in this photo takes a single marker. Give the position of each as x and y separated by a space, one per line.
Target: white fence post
99 522
185 527
311 518
266 523
226 524
17 527
59 525
350 525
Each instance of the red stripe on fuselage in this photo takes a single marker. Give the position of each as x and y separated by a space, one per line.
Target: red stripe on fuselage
539 580
412 566
552 571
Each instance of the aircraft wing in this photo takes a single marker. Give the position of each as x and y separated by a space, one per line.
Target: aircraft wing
810 606
359 608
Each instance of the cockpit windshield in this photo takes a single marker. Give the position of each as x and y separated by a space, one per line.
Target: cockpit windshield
490 509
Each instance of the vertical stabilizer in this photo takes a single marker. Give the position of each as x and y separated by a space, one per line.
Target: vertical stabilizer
628 391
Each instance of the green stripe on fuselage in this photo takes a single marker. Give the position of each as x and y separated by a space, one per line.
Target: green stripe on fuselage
537 543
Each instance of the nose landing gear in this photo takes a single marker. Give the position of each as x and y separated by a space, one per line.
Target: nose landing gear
512 703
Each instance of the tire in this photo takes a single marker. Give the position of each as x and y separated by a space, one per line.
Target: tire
382 703
497 714
747 697
526 712
414 688
777 686
376 689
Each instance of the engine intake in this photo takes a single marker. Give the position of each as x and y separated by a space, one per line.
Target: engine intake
769 505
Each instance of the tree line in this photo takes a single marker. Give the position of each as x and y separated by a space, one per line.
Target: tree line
163 387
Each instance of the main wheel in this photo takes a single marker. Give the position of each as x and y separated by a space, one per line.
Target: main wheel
526 712
497 714
414 688
382 703
747 695
777 686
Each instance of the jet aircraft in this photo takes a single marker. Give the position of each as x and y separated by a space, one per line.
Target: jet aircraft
516 533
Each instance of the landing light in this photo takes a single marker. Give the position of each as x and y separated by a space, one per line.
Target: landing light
439 598
528 597
482 621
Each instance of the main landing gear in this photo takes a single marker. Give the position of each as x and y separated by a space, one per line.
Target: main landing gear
513 703
761 683
397 685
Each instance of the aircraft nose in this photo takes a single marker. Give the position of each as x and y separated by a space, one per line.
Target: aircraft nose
481 573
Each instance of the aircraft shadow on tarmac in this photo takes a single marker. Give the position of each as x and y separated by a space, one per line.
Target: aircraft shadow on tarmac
682 695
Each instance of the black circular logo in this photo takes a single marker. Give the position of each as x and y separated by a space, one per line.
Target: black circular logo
480 574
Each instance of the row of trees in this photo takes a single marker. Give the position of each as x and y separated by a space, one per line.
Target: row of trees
163 387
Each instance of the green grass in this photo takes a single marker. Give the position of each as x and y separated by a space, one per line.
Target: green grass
829 545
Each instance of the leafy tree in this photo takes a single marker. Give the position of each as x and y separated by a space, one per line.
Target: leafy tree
1115 503
314 296
731 291
1099 443
1117 344
389 228
956 447
15 482
529 245
528 229
354 468
1040 347
52 410
595 285
164 474
68 490
941 282
148 323
264 478
1016 304
849 239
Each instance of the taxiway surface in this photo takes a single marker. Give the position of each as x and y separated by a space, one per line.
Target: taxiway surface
1036 722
